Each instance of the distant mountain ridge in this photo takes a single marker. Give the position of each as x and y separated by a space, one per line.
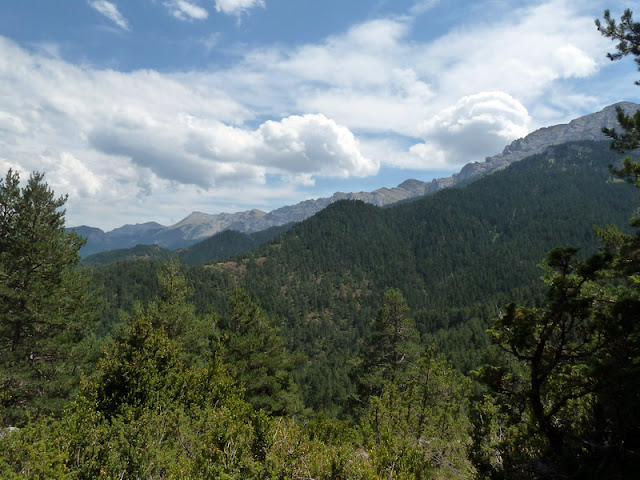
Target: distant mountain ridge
198 226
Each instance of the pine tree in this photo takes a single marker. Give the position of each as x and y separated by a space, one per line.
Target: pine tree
627 33
391 347
566 388
260 357
45 308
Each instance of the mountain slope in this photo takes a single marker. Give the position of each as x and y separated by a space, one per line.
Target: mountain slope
458 256
198 226
217 247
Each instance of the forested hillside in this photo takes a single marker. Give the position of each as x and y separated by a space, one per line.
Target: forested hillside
488 331
457 256
337 331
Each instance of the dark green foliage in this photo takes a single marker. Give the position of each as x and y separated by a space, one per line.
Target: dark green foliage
390 350
260 358
124 284
457 256
419 428
163 401
161 405
564 386
546 387
570 373
227 244
627 34
567 378
195 333
139 252
45 308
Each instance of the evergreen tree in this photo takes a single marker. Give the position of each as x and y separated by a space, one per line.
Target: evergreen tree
196 334
567 391
627 34
149 411
45 308
259 355
389 349
420 428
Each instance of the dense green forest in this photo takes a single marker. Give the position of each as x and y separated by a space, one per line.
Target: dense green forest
457 256
490 331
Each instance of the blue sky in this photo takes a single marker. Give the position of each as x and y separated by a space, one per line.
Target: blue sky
148 110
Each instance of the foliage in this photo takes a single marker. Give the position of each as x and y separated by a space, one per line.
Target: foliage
627 34
547 387
150 410
220 246
562 395
45 307
260 357
456 256
390 349
419 428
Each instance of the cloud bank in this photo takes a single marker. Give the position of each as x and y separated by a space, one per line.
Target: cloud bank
277 118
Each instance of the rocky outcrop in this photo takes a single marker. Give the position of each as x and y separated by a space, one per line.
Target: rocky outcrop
588 127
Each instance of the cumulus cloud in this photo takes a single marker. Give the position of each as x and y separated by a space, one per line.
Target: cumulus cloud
110 10
373 78
237 7
184 10
99 133
209 153
313 144
476 126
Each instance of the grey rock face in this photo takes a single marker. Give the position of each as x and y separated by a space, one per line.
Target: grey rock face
588 127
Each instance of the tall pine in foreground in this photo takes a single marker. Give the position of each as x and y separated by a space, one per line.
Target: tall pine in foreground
45 308
564 377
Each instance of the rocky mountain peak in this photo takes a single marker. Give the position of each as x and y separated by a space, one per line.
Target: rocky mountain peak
588 127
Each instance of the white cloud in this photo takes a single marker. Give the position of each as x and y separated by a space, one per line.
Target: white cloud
70 175
11 124
110 10
209 153
423 6
313 144
477 126
375 94
375 78
118 136
184 10
237 7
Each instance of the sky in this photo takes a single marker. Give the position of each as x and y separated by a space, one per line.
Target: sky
147 110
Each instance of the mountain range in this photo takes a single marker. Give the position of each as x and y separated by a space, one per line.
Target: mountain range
199 226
